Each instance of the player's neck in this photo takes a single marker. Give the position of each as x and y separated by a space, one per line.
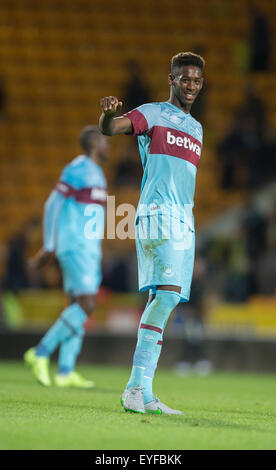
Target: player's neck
186 108
95 158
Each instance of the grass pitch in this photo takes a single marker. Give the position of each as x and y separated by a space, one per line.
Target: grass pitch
223 411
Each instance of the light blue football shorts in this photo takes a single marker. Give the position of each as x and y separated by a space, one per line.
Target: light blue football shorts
81 272
165 253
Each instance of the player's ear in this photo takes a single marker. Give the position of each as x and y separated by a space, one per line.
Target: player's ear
170 79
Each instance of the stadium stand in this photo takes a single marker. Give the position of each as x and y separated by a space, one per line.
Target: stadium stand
58 58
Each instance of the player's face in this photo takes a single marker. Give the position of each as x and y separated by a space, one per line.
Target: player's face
186 83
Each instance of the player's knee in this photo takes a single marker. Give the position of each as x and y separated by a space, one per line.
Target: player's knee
161 307
167 300
87 303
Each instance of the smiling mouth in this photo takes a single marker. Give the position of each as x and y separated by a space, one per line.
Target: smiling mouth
189 96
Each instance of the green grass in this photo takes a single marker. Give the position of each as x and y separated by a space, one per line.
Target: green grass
223 411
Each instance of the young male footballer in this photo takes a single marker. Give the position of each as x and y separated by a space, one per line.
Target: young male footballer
170 142
82 186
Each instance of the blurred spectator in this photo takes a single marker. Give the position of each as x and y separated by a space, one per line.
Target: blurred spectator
241 150
241 50
16 271
114 271
253 106
259 41
266 270
188 319
129 171
237 285
255 225
238 151
132 271
199 106
266 266
2 98
135 90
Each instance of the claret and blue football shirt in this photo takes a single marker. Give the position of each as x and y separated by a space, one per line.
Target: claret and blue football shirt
78 199
170 143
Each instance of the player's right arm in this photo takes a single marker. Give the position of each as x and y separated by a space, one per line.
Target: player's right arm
109 124
41 258
51 215
52 210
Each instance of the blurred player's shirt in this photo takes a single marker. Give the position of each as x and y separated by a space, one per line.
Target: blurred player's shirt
170 143
74 215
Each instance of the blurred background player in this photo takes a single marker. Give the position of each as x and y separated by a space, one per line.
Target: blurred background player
170 142
81 191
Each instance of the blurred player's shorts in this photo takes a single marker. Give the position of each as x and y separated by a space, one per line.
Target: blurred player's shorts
81 272
165 249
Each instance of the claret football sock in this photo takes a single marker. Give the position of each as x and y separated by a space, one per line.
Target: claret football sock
70 323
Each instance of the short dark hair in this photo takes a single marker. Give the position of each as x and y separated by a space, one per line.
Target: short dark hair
87 137
187 58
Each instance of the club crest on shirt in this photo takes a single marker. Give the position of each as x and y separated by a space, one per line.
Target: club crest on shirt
168 272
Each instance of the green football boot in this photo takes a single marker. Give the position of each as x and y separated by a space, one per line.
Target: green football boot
73 380
39 366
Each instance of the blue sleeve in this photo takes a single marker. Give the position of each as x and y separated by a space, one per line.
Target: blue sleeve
51 215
